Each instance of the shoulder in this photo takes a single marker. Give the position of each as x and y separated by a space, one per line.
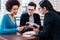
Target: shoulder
36 14
51 15
5 16
24 14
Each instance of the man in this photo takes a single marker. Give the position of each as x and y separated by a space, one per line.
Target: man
30 17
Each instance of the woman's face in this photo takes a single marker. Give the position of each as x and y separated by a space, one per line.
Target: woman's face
14 9
42 10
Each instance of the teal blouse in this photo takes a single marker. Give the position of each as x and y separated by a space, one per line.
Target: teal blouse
7 26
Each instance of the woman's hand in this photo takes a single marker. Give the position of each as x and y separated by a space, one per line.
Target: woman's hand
36 29
21 28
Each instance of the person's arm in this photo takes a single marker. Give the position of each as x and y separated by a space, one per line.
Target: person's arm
22 20
47 26
39 21
3 29
36 25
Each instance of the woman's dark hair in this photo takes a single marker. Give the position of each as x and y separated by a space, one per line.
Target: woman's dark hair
48 5
11 3
32 4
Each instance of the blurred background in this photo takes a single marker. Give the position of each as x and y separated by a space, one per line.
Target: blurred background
22 9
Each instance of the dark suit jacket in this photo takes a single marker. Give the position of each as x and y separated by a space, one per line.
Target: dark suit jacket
51 28
25 18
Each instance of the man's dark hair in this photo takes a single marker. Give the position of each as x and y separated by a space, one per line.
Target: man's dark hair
32 4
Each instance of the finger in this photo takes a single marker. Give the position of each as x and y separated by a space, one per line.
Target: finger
27 22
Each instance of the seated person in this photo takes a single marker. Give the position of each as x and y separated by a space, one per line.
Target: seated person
30 17
8 23
51 27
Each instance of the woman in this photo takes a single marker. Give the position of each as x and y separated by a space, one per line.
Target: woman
51 28
8 24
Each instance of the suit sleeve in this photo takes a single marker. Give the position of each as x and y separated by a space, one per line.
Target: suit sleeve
22 20
39 22
48 20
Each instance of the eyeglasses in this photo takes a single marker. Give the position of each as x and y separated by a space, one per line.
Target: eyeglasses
30 9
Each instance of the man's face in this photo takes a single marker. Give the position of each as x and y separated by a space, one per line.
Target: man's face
30 10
